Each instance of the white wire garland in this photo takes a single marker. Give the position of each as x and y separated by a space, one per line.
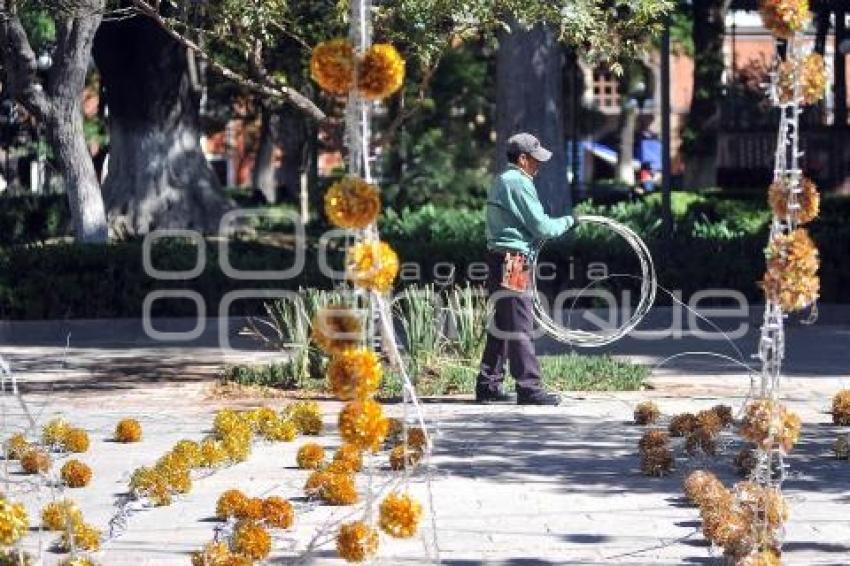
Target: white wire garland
596 339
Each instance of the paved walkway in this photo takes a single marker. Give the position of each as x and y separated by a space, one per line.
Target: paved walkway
511 485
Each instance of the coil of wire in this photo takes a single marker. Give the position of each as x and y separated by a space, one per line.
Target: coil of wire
602 337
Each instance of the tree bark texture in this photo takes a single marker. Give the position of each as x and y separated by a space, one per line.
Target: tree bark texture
840 88
57 102
530 98
703 125
264 177
158 175
293 141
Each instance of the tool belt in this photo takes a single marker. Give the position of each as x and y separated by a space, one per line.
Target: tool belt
516 270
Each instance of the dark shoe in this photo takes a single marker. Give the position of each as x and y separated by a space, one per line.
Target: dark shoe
538 397
488 395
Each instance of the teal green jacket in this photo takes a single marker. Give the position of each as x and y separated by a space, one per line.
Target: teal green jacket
515 217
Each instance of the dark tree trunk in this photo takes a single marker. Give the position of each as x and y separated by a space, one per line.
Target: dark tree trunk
158 175
625 157
293 140
822 15
530 97
700 143
263 177
57 102
840 69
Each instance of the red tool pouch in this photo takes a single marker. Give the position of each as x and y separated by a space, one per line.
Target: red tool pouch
515 272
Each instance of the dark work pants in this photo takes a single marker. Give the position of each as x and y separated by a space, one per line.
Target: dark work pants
508 336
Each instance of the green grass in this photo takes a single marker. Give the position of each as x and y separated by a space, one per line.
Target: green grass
570 372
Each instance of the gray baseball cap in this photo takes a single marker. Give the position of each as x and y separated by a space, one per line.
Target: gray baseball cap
526 143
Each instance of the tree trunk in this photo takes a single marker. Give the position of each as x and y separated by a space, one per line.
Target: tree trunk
263 176
158 175
65 129
700 143
57 104
530 98
840 88
625 157
293 140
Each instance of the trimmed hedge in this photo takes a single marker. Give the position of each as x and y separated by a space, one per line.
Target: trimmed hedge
718 244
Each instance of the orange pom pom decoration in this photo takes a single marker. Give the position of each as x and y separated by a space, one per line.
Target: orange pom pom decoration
355 374
356 541
362 424
332 66
381 72
352 203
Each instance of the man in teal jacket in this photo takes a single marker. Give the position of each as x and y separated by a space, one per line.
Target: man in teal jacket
515 220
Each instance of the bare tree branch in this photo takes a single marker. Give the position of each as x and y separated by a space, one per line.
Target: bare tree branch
20 62
285 93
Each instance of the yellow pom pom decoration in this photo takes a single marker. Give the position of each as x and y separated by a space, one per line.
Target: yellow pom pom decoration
316 483
400 515
356 541
792 263
332 65
16 445
362 424
307 416
355 374
213 453
841 408
60 515
310 456
76 440
279 430
784 18
174 469
351 456
339 489
251 540
53 433
14 522
128 430
278 512
151 484
236 441
352 203
85 537
75 474
372 265
381 72
230 503
35 461
188 451
212 554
